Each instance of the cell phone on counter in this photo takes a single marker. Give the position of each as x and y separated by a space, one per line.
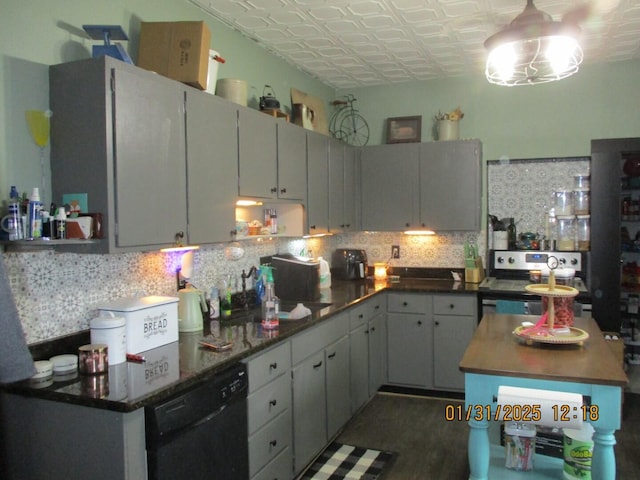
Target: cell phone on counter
215 344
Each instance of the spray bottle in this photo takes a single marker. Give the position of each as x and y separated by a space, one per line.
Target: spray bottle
34 211
270 303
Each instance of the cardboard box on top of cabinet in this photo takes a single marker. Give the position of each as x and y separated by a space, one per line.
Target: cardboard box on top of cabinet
178 50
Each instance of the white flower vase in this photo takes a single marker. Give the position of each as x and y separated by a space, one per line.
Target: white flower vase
448 130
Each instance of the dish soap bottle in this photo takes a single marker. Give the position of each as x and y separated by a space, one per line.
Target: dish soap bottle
325 273
270 303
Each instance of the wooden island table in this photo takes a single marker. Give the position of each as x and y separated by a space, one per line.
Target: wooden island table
495 357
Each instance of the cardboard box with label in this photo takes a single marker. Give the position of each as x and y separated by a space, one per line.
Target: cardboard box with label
178 50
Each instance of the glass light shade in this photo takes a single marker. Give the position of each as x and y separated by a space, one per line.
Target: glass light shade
380 271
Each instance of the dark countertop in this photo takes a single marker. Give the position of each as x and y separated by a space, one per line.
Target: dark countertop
176 367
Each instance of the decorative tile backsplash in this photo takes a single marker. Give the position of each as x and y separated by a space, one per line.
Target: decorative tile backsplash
523 189
58 293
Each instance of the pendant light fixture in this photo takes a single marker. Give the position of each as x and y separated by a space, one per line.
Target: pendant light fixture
533 49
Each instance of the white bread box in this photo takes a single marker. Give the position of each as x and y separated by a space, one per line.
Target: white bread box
150 321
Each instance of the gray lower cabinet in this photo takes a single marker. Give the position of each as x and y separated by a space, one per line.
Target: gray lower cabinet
368 349
317 183
338 395
410 339
269 413
118 134
313 390
428 335
454 323
48 440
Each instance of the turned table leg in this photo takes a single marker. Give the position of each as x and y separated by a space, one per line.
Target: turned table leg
478 448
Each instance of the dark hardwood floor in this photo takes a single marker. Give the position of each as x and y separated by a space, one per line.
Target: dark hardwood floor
429 447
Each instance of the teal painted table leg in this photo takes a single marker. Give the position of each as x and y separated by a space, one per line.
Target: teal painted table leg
478 448
603 462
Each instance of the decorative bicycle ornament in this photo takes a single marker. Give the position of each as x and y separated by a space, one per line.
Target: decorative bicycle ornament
559 302
347 124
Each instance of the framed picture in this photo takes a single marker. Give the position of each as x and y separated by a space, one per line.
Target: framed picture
404 129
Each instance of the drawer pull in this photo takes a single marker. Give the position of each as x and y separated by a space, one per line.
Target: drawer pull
373 329
273 366
377 307
318 365
452 306
405 304
273 402
273 443
331 355
437 323
361 315
419 322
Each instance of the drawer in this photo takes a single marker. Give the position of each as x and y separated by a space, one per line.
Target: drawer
280 468
266 366
268 442
455 305
365 311
317 338
408 303
268 402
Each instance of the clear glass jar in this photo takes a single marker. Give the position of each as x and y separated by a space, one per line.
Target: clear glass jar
583 228
581 201
581 180
563 201
566 233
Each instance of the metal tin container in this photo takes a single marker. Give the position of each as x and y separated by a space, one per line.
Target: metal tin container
93 358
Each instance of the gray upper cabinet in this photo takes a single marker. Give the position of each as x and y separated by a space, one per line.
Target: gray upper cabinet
258 154
450 185
389 186
118 133
212 174
292 161
342 187
317 183
272 161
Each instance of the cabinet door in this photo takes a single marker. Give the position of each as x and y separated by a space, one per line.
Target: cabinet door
212 174
292 161
149 156
257 152
317 183
359 366
410 353
377 353
388 187
309 409
351 189
451 335
336 186
450 185
338 391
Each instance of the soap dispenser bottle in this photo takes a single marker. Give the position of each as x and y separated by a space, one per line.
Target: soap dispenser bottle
270 303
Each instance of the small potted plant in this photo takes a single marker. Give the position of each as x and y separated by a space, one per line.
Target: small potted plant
447 124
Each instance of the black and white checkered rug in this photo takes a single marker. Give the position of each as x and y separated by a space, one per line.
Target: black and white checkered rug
347 462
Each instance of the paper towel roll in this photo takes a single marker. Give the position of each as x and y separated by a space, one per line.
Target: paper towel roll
542 407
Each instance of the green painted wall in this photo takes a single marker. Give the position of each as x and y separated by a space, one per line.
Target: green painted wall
555 119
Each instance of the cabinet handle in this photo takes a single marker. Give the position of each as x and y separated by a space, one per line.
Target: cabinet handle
437 323
273 443
273 366
377 307
405 304
361 315
312 227
273 402
331 355
274 190
373 329
348 225
233 233
283 190
407 224
342 225
367 331
452 306
318 365
419 322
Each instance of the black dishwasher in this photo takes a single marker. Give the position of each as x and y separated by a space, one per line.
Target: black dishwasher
201 433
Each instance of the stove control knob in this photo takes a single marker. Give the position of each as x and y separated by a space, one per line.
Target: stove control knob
574 261
512 260
563 261
500 259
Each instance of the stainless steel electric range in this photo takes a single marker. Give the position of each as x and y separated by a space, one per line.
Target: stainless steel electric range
503 290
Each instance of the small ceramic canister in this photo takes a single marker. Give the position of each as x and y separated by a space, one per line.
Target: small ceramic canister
93 358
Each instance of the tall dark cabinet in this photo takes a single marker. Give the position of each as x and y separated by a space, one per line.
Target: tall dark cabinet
608 297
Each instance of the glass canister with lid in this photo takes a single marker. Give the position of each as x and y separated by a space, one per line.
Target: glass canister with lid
566 233
581 201
563 202
583 232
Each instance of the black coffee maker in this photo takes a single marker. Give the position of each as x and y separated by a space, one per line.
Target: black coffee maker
349 264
